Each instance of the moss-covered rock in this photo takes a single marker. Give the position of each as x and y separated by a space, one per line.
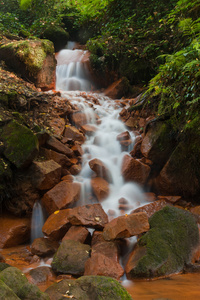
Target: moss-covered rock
6 292
21 145
3 266
32 292
33 59
88 288
57 35
166 247
13 278
71 257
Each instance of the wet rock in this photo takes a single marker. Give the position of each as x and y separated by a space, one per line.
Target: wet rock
75 169
134 170
100 188
124 136
166 247
108 249
60 158
100 169
73 133
14 279
88 129
88 287
78 151
131 122
118 89
126 226
151 208
79 119
6 292
36 61
58 125
170 199
41 275
44 247
61 196
13 231
3 266
71 258
97 237
45 174
32 292
21 145
150 197
77 233
57 146
90 215
100 264
57 224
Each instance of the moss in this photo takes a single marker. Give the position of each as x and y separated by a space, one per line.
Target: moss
173 235
13 278
57 35
32 292
6 292
21 145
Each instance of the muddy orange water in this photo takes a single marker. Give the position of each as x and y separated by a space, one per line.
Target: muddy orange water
177 287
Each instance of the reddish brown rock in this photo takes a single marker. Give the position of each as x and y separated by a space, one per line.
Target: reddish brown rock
61 196
78 151
136 254
75 169
41 275
100 169
45 174
126 226
124 136
60 158
151 208
57 146
57 224
171 199
77 233
117 89
108 249
79 119
73 133
134 170
88 129
58 125
131 122
150 197
100 188
69 178
44 247
97 237
100 264
13 231
91 215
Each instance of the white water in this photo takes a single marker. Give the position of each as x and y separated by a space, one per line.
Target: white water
103 144
37 221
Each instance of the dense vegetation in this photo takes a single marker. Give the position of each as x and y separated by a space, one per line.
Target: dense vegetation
151 43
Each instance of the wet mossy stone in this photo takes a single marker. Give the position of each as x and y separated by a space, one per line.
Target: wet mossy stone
13 278
57 35
71 258
88 288
30 291
6 292
167 246
21 145
3 266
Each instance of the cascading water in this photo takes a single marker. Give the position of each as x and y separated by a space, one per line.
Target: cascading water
103 114
37 221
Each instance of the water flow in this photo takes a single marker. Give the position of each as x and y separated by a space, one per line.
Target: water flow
37 221
102 113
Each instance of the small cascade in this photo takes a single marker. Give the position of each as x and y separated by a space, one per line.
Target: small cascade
72 71
37 221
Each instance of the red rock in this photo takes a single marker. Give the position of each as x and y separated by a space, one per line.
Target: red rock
58 125
126 226
101 265
44 247
100 169
73 133
61 196
151 208
75 169
60 158
91 215
171 199
57 146
79 119
13 231
69 178
134 170
88 129
150 197
77 233
78 151
134 257
131 122
116 90
57 224
100 188
124 136
97 237
109 249
45 174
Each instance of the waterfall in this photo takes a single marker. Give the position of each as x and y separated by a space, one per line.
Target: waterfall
103 144
37 221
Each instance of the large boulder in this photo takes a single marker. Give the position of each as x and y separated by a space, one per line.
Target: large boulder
166 247
33 59
20 144
6 292
14 279
57 35
88 288
71 258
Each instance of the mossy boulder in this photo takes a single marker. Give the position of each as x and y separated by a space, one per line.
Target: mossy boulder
166 247
13 278
57 35
88 288
21 145
32 59
71 258
6 292
32 292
